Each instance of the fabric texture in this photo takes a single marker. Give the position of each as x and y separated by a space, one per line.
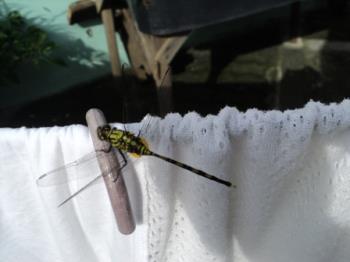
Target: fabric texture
32 228
291 202
292 173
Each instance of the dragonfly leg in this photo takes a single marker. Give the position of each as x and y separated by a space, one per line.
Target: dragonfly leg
124 158
125 162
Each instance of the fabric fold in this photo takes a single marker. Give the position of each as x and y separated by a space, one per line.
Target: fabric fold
291 171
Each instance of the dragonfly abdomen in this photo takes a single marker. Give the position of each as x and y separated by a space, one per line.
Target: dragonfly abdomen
192 169
136 146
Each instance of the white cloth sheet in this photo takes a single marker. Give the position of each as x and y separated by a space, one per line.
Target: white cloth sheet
291 169
32 228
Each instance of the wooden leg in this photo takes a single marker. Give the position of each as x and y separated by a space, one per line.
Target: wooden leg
108 22
164 92
154 54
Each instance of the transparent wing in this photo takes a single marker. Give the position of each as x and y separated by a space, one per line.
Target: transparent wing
146 124
71 171
86 169
58 195
139 129
92 182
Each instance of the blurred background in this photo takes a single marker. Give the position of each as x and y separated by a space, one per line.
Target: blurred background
279 57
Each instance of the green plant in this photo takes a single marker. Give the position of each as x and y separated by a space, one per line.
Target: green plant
21 43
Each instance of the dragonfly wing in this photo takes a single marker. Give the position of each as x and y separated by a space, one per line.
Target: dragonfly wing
145 125
73 170
92 182
59 194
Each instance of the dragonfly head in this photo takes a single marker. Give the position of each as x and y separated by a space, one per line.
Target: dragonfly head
103 132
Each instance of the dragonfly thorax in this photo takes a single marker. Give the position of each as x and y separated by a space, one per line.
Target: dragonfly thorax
123 140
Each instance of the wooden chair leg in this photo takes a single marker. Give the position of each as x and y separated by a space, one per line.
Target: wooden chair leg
108 22
165 94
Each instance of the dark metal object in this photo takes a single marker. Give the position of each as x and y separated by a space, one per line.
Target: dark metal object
162 17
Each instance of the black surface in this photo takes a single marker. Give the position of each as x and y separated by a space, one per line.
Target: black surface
161 17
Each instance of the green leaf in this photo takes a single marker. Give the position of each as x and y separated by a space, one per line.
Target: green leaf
22 43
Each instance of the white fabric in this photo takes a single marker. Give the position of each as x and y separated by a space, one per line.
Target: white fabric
292 172
32 228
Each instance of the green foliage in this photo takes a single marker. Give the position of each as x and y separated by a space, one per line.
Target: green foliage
20 44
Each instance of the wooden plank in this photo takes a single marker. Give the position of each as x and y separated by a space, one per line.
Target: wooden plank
157 53
117 190
165 55
153 49
99 5
148 45
108 22
145 46
135 50
169 48
165 93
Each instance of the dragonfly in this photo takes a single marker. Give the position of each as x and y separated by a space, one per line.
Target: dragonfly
124 142
127 142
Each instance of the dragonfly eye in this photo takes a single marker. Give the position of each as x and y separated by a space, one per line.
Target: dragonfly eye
103 132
